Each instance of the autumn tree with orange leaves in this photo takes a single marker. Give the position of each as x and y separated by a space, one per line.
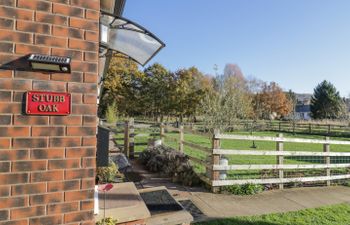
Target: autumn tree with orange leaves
271 102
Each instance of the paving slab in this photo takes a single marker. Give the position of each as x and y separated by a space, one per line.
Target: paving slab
220 205
179 216
275 201
123 202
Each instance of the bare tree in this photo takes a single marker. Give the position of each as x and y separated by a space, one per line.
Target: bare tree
233 70
222 108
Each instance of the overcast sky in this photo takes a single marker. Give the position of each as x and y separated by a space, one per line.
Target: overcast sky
297 43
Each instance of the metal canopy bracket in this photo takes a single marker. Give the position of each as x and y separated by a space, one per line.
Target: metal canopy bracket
127 37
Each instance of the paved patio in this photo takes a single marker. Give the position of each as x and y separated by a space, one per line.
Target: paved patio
221 206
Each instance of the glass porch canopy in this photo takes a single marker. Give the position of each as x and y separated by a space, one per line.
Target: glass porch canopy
129 38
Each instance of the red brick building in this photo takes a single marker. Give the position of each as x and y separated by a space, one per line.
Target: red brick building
47 163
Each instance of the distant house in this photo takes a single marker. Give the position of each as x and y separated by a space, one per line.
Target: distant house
303 112
302 108
303 99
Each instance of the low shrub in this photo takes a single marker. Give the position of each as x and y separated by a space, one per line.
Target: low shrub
171 163
107 174
245 189
107 221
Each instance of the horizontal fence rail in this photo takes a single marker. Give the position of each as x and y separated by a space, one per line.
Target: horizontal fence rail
276 167
280 167
196 132
172 128
279 139
329 128
277 153
170 138
197 147
321 165
217 183
200 161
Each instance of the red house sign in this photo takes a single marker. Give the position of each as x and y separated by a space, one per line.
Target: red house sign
48 103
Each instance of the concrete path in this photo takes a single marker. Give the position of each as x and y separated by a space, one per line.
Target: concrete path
220 206
223 206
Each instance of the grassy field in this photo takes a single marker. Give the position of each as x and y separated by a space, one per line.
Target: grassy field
143 134
330 215
265 145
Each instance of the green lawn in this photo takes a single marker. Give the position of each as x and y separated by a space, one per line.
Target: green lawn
330 215
143 134
263 145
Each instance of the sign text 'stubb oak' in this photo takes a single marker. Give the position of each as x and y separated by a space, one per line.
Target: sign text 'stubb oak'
48 103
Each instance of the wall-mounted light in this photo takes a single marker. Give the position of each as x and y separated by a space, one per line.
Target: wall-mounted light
48 63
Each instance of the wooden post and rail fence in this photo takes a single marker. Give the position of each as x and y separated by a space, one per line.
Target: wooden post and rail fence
329 129
129 138
215 153
211 156
302 127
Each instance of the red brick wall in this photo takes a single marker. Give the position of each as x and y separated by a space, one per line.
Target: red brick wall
47 163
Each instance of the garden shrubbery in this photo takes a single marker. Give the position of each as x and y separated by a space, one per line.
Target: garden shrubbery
107 174
171 163
107 221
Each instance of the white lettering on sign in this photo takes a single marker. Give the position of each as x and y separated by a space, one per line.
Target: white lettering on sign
48 98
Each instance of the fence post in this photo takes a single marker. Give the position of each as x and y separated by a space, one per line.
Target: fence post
279 126
329 129
310 129
293 127
126 139
215 160
131 138
280 159
162 133
270 125
181 139
327 159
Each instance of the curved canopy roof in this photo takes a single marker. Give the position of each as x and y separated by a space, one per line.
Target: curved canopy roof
129 38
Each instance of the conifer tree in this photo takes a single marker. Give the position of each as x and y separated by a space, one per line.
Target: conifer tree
326 102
